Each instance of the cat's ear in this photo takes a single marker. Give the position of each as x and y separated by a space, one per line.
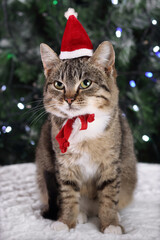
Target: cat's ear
49 58
104 56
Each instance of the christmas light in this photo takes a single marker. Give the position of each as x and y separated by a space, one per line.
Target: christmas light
156 49
154 21
4 129
10 55
28 106
135 108
3 88
22 99
118 32
149 74
55 2
27 128
32 142
20 14
132 83
115 2
8 129
20 106
158 54
145 138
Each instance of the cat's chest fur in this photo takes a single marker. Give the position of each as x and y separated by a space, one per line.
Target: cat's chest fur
87 165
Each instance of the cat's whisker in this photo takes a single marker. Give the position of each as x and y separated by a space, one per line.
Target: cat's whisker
38 118
35 101
33 110
39 107
36 112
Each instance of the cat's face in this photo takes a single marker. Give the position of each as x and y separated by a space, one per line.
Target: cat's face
79 86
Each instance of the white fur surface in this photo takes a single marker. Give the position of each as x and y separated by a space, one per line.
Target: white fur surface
20 209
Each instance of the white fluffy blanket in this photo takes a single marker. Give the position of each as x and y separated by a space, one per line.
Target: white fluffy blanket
20 217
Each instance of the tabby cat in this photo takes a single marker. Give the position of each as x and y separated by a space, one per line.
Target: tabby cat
97 173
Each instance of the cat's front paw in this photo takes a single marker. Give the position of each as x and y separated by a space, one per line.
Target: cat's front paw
111 229
82 218
59 226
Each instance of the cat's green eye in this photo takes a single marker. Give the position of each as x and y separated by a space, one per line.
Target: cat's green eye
58 85
85 84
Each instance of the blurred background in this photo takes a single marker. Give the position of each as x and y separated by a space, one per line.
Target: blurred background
133 27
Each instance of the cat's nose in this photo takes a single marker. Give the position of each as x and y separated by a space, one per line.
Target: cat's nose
69 100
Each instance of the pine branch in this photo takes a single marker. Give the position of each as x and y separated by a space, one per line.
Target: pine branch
7 26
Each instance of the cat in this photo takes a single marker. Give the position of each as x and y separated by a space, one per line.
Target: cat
96 175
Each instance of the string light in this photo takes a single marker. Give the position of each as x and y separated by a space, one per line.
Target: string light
132 83
20 106
27 128
145 138
20 14
8 129
28 106
22 99
135 108
55 2
149 74
10 55
156 49
118 32
154 22
32 142
4 129
3 88
158 54
115 2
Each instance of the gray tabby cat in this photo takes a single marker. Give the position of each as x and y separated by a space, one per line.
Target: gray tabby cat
97 173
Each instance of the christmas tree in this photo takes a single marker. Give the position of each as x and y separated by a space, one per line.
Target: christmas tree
133 28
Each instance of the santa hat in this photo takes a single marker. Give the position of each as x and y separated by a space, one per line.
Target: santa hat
75 41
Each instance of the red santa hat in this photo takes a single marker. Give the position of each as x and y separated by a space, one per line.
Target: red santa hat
75 41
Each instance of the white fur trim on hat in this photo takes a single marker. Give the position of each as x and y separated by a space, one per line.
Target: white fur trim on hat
70 12
76 53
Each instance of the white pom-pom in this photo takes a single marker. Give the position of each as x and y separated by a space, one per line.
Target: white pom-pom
70 12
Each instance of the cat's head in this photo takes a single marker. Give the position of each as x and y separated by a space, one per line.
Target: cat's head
82 85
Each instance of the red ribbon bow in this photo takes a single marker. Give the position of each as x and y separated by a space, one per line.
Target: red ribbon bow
64 134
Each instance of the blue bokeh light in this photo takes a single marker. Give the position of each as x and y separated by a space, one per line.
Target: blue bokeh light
3 88
4 129
149 74
158 54
119 29
132 83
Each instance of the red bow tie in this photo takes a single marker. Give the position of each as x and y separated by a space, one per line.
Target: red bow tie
64 134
